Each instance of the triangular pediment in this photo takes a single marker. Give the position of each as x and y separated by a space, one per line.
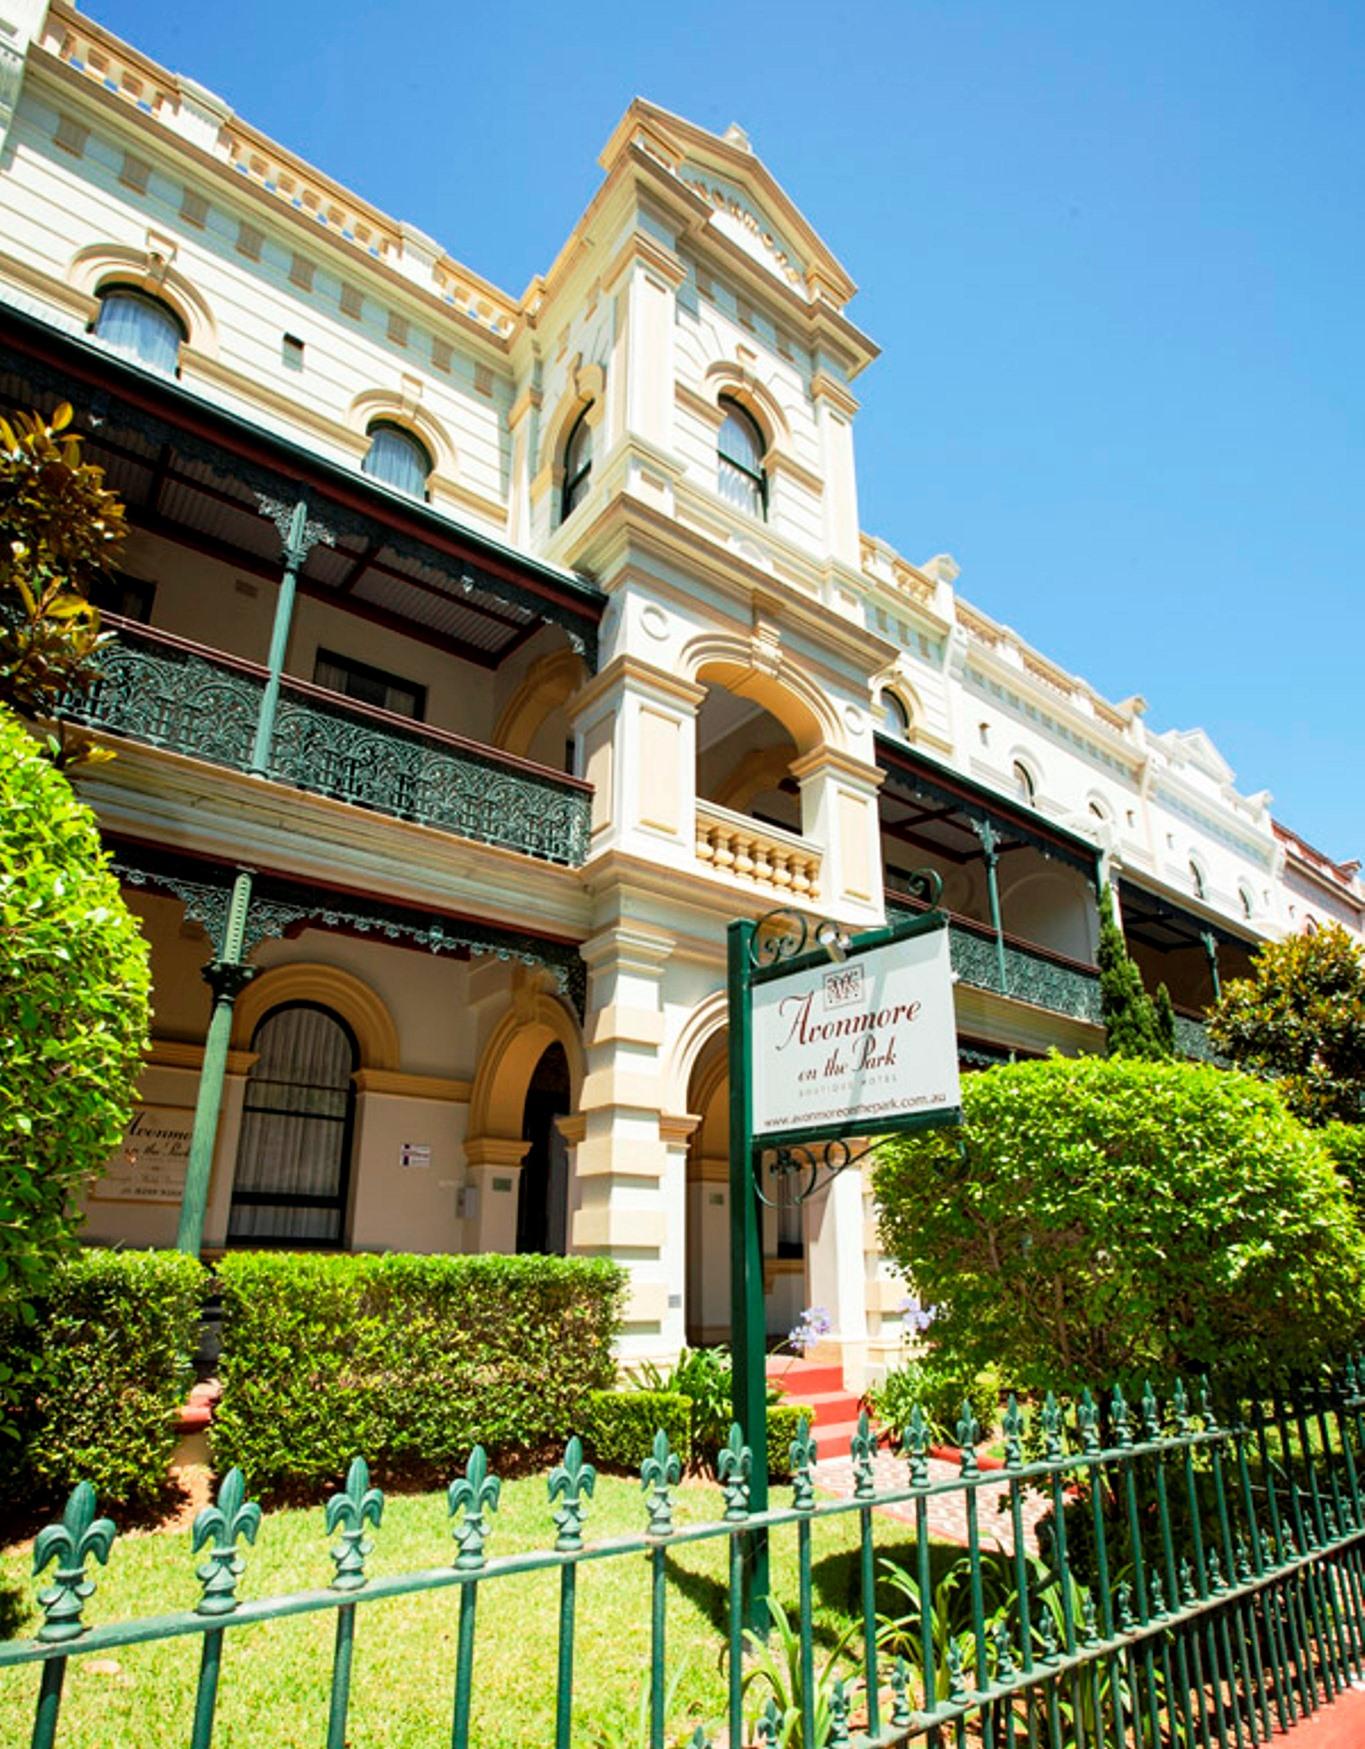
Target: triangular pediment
1193 747
748 205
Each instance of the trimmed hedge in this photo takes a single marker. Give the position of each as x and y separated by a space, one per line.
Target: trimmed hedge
618 1427
102 1374
408 1361
784 1423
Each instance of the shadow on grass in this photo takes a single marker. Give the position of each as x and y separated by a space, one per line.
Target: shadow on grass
13 1607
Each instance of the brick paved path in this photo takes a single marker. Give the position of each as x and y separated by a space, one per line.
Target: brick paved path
947 1512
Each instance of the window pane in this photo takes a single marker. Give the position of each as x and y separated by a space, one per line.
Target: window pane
145 330
740 489
372 686
739 440
397 460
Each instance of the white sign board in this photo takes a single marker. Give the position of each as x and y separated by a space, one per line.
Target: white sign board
150 1165
862 1043
415 1154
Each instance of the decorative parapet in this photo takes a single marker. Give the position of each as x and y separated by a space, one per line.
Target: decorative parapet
735 845
168 693
186 109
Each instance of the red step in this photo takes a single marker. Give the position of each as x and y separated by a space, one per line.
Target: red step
797 1377
834 1410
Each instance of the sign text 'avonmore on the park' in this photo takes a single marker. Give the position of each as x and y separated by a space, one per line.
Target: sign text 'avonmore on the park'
865 1042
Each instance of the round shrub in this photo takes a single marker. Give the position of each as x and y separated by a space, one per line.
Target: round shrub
73 1013
1097 1219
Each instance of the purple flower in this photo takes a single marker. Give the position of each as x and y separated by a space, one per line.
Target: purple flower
917 1318
813 1323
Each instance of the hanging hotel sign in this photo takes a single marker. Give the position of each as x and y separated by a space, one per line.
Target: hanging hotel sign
861 1046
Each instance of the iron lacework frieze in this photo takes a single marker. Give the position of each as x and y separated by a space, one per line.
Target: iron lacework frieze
280 907
160 692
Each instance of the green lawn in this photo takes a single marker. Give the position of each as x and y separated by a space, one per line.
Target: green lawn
276 1675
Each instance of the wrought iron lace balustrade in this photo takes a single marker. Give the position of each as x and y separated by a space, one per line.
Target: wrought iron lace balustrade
170 693
1047 980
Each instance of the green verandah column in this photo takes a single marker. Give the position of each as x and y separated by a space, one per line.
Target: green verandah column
1210 941
748 1322
990 850
227 977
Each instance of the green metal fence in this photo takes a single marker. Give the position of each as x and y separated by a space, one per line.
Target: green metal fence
1196 1580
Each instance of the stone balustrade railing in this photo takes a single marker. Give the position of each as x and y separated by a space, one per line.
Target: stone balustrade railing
766 856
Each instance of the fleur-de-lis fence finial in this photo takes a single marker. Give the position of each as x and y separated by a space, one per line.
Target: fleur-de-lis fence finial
733 1466
1188 1591
1180 1407
1123 1426
575 1481
863 1450
917 1447
1050 1420
1047 1636
1216 1582
901 1714
1151 1413
957 1686
839 1702
968 1432
1004 1656
473 1496
349 1511
70 1543
1127 1620
1088 1421
1206 1414
699 1739
769 1724
660 1471
1244 1568
1090 1617
231 1516
1012 1427
1158 1596
802 1454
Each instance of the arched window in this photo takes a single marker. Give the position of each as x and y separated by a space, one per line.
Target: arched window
577 464
396 459
1196 879
742 481
294 1155
141 327
895 718
1024 786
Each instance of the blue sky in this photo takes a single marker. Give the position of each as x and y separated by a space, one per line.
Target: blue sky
1113 255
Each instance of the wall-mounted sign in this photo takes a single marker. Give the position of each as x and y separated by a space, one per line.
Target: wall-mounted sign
859 1046
151 1161
415 1154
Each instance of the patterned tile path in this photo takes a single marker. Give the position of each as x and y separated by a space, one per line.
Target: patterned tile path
947 1512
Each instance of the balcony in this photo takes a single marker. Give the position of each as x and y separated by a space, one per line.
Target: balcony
758 854
1046 979
167 692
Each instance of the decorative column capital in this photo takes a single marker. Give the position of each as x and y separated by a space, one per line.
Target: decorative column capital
227 978
989 839
298 532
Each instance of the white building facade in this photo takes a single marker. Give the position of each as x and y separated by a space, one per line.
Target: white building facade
480 656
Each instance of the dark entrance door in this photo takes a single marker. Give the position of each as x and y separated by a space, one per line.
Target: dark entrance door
543 1204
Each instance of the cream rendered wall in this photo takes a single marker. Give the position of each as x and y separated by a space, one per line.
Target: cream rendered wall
52 205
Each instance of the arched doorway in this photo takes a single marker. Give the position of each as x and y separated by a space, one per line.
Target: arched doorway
298 1122
543 1195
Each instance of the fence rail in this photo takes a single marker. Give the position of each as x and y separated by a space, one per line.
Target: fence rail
1197 1582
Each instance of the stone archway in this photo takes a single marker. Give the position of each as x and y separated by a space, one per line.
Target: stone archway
496 1146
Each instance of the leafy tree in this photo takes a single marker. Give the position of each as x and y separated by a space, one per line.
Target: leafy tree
1134 1024
1299 1019
60 530
1099 1218
1345 1142
73 1015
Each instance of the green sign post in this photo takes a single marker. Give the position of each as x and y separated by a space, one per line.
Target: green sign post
832 1037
